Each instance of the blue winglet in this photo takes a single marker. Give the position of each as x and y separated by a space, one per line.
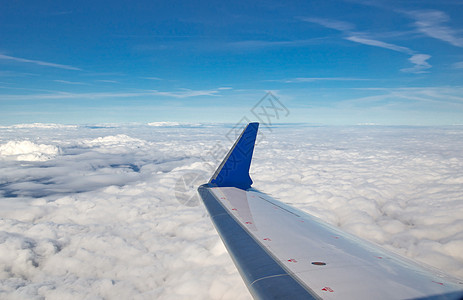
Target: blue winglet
234 169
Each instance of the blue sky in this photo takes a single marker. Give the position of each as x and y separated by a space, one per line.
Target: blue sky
329 62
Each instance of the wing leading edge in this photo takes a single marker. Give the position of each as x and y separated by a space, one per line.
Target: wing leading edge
283 253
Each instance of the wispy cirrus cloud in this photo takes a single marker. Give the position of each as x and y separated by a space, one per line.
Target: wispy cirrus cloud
315 79
70 82
436 95
419 60
182 93
107 81
330 23
376 43
185 93
420 64
458 65
16 74
38 62
433 24
257 44
429 22
152 78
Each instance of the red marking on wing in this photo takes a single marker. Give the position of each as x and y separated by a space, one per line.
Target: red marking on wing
292 260
234 209
327 289
438 282
248 222
267 239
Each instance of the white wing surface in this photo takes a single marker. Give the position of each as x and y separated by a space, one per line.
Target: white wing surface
283 253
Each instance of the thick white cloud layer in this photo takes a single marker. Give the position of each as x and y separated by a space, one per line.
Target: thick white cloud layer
110 212
28 151
164 124
38 125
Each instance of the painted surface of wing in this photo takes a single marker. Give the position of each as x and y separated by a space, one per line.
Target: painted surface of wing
283 253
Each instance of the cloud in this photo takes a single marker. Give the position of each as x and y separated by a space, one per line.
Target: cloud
257 44
165 124
432 24
380 44
67 95
28 151
333 24
70 82
186 93
419 60
152 78
458 65
433 95
182 93
113 140
38 62
107 81
180 124
39 125
100 219
420 64
315 79
15 74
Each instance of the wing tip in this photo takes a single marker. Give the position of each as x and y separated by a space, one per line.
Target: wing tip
234 169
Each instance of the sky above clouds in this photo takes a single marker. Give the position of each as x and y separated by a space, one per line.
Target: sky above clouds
329 62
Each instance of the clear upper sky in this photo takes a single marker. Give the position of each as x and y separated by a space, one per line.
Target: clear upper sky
329 62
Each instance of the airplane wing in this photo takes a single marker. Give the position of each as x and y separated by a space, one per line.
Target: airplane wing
284 253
